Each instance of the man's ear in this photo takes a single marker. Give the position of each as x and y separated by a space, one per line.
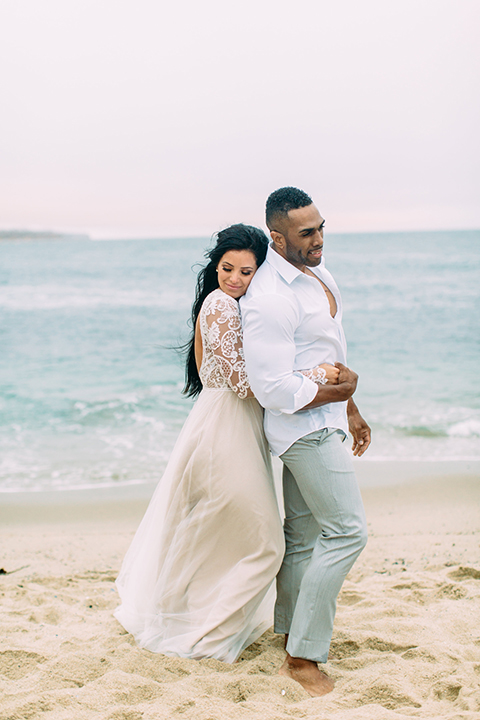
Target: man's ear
278 240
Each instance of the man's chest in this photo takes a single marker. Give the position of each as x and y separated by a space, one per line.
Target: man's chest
316 327
332 303
319 306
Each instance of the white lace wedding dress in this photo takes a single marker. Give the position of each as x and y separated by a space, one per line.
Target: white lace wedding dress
197 580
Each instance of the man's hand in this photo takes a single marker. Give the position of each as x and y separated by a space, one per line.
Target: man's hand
348 378
360 431
343 390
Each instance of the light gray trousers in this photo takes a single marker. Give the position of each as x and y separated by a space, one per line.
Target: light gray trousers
325 532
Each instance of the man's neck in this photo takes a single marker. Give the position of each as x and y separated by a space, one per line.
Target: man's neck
302 268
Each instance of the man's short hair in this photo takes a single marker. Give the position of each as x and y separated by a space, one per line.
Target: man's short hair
281 201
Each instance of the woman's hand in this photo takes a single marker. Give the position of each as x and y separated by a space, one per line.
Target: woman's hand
331 373
325 374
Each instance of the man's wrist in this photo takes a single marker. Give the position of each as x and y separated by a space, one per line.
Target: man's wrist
352 409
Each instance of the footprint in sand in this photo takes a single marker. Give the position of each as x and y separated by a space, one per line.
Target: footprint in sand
453 592
464 573
122 688
15 664
75 669
388 694
422 594
340 649
446 690
47 616
375 643
419 653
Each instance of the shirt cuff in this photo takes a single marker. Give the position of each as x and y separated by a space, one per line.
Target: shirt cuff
304 395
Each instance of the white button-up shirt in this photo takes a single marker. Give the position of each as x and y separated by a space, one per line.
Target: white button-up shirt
287 327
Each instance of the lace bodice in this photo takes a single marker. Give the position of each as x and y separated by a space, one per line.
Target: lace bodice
223 363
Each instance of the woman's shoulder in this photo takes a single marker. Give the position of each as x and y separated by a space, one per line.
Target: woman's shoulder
218 301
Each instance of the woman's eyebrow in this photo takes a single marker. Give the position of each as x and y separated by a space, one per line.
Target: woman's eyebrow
244 267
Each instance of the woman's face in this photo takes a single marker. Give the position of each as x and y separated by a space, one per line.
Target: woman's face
235 272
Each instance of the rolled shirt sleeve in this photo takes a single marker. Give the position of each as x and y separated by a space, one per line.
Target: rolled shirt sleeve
269 323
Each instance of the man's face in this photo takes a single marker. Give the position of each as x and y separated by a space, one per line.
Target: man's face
303 235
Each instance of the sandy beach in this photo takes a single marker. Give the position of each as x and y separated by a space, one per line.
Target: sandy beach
406 641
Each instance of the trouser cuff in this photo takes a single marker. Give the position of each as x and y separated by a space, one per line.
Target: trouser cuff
308 649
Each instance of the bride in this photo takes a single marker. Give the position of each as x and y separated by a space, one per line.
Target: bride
197 580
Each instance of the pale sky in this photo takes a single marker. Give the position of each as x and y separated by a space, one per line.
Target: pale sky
152 118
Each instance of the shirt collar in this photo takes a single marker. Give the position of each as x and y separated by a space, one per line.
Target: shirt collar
288 271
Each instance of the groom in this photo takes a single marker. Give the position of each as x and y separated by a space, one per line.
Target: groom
291 318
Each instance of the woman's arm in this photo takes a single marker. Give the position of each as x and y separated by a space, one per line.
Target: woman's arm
226 342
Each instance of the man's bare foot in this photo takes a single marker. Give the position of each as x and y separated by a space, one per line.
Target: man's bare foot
306 672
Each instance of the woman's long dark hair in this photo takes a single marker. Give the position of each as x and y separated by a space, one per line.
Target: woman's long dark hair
235 237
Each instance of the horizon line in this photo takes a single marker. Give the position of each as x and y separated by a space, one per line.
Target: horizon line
99 235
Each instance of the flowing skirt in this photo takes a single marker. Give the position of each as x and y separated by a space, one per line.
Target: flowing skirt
197 580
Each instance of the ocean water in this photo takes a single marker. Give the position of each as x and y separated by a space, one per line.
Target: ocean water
90 391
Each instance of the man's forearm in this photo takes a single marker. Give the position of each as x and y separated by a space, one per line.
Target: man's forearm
343 390
331 393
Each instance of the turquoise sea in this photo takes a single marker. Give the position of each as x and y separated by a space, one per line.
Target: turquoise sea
90 393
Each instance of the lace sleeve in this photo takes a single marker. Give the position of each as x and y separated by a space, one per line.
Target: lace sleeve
317 374
225 340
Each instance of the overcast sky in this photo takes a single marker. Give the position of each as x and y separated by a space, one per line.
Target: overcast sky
146 117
